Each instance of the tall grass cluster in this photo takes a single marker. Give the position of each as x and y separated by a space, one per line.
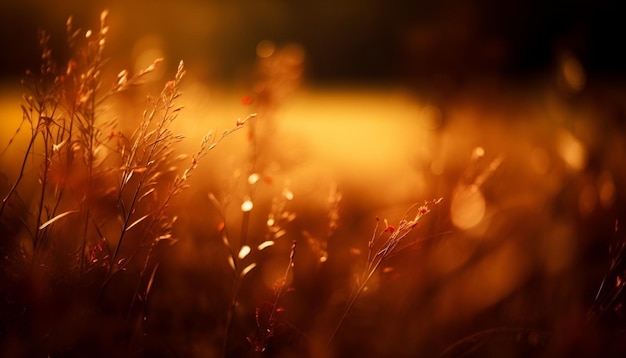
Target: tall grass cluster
89 214
89 211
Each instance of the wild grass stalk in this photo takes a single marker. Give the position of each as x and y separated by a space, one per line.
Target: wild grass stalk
609 300
244 257
383 245
266 327
244 251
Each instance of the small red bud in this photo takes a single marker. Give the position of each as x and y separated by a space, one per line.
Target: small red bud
246 100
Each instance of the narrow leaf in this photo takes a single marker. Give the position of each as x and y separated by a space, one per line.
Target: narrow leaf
136 222
214 201
151 281
146 194
248 269
265 245
60 216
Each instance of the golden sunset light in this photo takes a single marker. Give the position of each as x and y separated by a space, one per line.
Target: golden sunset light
312 179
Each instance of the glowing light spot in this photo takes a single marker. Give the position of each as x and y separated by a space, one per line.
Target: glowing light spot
245 250
436 167
247 205
572 151
103 16
606 187
265 49
271 222
468 207
573 73
288 194
587 199
253 178
478 153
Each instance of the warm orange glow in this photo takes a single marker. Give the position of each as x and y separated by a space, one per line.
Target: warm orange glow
572 150
540 160
486 283
606 189
573 73
253 178
265 49
243 252
468 207
247 205
588 199
216 179
145 51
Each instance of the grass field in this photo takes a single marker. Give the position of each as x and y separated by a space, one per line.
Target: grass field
280 217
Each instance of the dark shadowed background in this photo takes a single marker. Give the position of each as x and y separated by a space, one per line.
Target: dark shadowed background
348 40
